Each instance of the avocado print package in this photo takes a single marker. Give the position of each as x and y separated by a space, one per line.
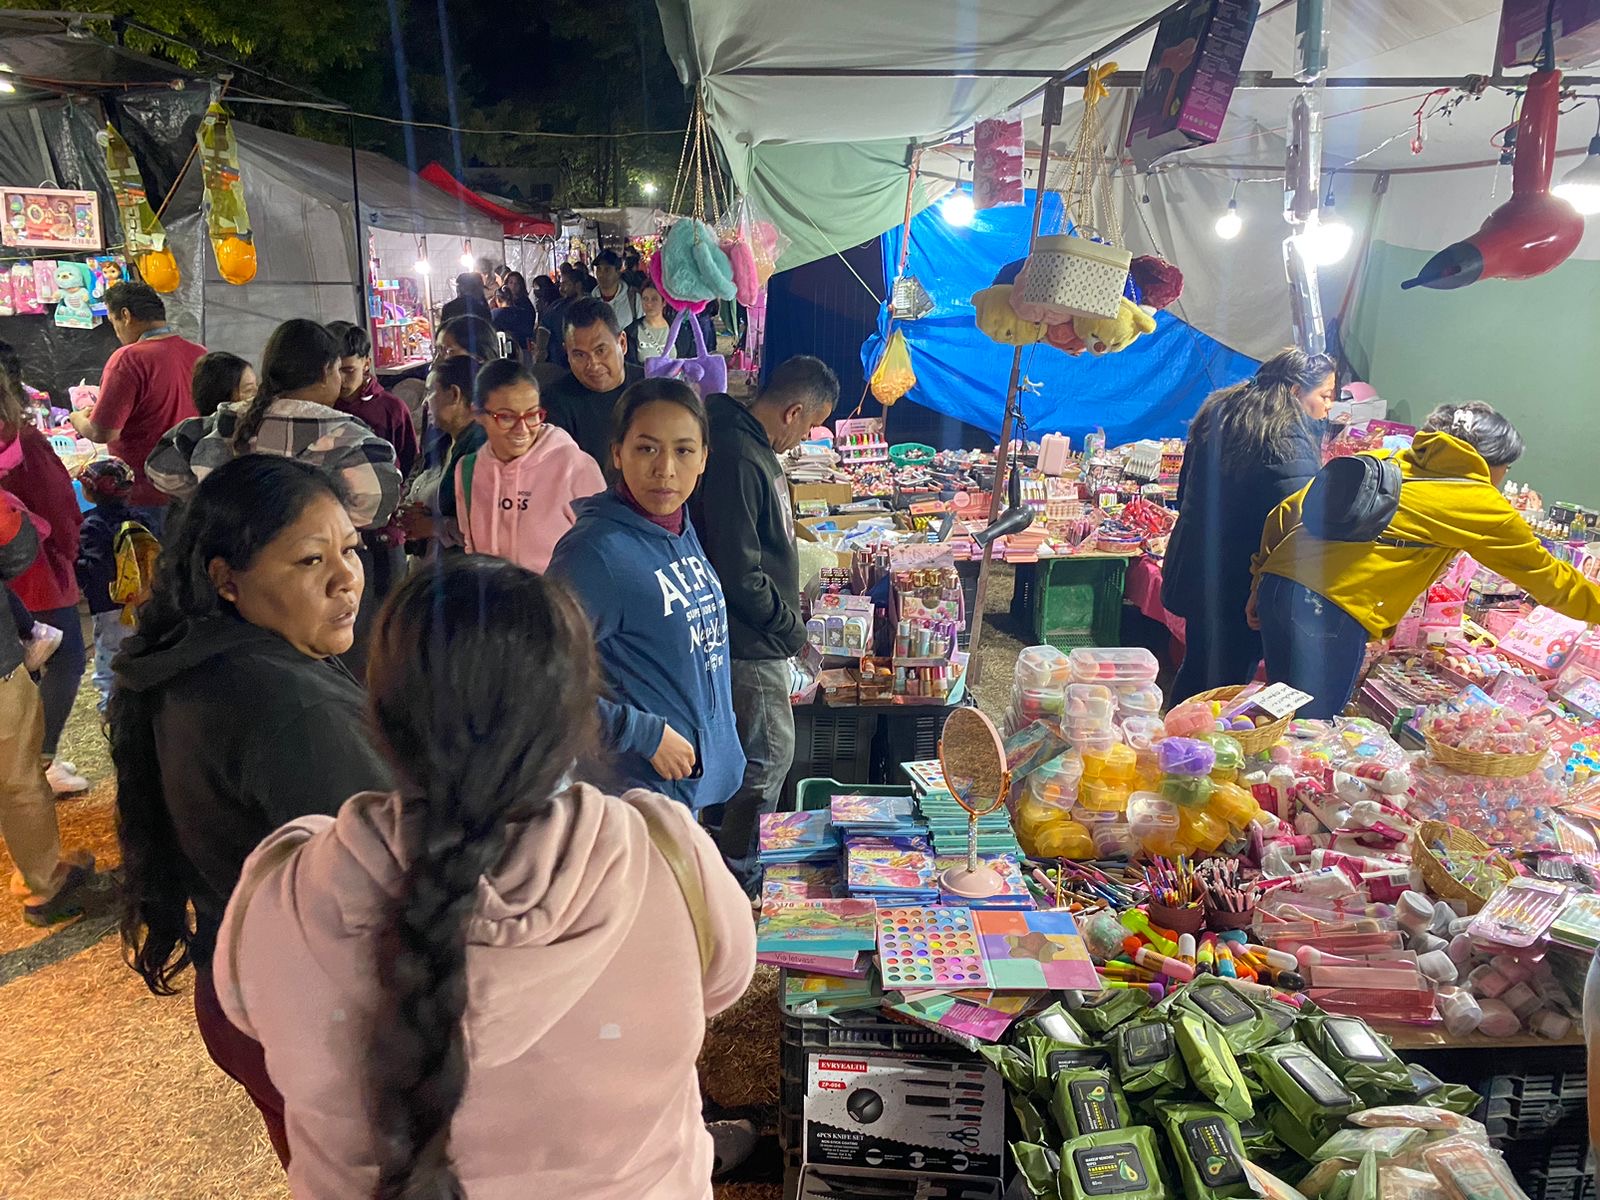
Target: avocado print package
1208 1148
1303 1084
1212 1067
1357 1055
1147 1056
1103 1011
1120 1163
1088 1102
1242 1020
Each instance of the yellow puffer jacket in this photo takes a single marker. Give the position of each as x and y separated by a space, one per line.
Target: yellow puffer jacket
1454 508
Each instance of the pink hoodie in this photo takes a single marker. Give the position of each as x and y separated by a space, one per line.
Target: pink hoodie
519 509
585 1013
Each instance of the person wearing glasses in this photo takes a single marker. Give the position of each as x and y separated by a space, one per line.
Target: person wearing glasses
514 496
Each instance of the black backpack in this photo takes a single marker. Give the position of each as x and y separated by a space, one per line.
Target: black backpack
1353 499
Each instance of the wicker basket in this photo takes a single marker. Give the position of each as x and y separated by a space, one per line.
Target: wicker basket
1475 762
1069 276
1255 741
1458 841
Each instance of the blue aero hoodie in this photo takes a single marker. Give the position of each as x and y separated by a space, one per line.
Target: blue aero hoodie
661 629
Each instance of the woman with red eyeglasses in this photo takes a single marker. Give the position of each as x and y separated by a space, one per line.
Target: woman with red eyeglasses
514 496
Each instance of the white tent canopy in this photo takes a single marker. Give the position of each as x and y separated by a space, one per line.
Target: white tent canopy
310 252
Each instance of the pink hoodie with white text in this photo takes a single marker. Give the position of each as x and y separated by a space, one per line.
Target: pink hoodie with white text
518 510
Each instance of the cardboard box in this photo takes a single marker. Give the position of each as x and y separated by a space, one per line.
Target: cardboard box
1189 81
831 494
1577 29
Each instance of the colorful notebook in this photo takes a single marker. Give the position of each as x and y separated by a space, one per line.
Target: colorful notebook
830 927
890 869
797 837
801 881
1034 951
872 812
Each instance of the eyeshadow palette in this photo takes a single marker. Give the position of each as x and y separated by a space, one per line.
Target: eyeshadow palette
929 948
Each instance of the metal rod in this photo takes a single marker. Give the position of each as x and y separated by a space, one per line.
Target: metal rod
1248 80
1052 109
363 258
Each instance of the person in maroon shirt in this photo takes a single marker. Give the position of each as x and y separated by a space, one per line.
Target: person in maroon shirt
364 398
144 390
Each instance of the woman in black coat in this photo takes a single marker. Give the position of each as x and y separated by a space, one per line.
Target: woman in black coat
1251 447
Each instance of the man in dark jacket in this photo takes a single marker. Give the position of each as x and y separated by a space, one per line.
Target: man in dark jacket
746 524
27 805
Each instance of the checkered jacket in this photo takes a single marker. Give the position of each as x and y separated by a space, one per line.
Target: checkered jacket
312 433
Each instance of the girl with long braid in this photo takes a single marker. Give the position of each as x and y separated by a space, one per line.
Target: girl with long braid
491 983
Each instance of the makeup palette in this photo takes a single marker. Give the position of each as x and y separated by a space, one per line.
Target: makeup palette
930 948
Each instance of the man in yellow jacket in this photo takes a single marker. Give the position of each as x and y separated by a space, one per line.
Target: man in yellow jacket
1317 603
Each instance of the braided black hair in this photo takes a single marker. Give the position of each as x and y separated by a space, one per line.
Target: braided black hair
239 509
298 355
483 681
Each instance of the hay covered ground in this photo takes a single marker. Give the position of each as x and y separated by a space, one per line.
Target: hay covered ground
107 1091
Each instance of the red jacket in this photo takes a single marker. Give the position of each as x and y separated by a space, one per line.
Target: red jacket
43 485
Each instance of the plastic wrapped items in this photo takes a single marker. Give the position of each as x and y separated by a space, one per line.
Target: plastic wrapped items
1120 1163
1233 805
1114 665
1152 821
1056 782
1138 699
1109 775
1088 1101
1090 708
1229 756
1185 756
1037 704
1198 826
1147 1056
1209 1150
1212 1067
1502 811
1191 719
1042 667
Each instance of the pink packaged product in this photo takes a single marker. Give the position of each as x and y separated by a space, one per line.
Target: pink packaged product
1517 812
1543 640
1519 913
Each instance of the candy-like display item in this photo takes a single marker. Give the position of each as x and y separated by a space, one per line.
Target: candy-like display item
1486 730
1185 756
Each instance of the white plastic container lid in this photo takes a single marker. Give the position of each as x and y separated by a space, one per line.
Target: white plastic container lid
1042 667
1113 664
1149 814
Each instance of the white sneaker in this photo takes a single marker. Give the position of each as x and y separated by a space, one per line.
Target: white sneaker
44 642
63 782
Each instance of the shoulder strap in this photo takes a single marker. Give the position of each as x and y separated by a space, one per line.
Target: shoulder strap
688 876
275 857
468 464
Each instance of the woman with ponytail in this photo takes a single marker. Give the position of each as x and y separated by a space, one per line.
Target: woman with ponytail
291 415
231 716
1250 447
491 983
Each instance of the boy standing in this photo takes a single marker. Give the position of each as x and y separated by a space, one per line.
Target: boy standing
107 484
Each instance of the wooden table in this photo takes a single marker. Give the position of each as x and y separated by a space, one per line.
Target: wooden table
1436 1037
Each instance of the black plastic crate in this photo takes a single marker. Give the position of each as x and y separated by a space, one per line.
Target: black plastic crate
1557 1169
906 735
830 744
1516 1107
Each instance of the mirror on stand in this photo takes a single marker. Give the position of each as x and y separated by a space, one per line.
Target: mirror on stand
974 762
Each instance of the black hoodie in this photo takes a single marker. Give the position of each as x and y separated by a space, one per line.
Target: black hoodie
746 524
249 734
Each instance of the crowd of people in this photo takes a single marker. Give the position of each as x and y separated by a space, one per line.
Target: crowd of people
440 741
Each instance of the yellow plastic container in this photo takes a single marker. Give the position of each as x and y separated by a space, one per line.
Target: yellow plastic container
1200 827
1118 762
1233 805
1104 795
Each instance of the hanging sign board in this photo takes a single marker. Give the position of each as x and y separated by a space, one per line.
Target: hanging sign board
45 217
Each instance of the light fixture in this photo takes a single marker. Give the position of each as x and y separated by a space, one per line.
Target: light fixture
1580 187
649 188
467 259
1230 223
958 209
421 266
7 87
1322 242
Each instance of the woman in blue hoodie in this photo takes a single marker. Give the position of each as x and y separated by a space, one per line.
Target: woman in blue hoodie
659 619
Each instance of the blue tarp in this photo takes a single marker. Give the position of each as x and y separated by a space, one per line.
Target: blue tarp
1151 389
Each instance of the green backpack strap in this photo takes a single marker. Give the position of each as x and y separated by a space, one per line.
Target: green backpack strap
465 467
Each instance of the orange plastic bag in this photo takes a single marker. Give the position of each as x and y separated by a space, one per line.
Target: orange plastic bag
893 376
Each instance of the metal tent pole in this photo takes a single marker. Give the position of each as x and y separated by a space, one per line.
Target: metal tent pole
1053 102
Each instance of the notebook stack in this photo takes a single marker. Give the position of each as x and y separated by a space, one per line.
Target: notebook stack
947 825
891 869
874 814
798 837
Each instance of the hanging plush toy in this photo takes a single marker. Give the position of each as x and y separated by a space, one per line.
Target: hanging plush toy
144 239
74 309
227 217
999 320
1108 335
693 266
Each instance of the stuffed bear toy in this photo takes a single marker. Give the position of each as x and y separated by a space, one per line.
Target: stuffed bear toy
1107 335
1064 338
999 320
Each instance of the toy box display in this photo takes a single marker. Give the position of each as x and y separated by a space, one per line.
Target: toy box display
1194 66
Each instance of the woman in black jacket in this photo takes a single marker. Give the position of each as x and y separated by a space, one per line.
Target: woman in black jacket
1251 447
231 716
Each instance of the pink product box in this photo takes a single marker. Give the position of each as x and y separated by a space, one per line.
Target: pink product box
1577 30
1193 69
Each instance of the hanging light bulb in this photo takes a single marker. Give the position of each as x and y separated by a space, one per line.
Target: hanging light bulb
421 267
1580 187
1230 223
958 209
1325 239
467 259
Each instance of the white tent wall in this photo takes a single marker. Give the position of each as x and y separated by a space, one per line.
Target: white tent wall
309 250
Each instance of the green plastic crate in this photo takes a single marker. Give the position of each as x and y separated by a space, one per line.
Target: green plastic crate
1078 602
813 794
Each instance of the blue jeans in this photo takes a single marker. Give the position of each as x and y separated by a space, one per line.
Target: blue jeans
108 634
766 730
58 682
1312 644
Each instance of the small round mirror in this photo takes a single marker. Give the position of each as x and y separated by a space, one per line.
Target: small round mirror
974 763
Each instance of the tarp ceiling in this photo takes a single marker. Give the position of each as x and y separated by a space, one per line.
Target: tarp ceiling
512 222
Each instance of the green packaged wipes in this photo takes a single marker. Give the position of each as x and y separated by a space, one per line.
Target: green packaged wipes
1428 1090
1103 1011
1038 1166
1260 1143
1212 1067
1015 1065
1305 1087
1209 1150
1240 1018
1119 1163
1352 1051
1056 1024
1295 1136
1028 1118
1087 1102
1387 1142
1147 1056
1050 1058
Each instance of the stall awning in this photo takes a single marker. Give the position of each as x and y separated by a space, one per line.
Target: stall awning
515 224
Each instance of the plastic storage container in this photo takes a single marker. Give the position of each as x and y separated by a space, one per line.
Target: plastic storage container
1056 782
1230 756
1113 664
1034 703
1042 667
1090 708
1138 699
